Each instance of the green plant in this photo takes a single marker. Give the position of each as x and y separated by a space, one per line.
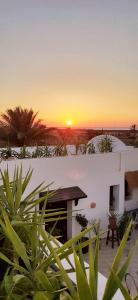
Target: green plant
38 152
7 153
21 127
86 148
123 223
83 222
105 144
81 219
83 148
42 151
39 279
47 151
34 259
17 205
60 150
91 148
133 130
12 194
24 153
112 215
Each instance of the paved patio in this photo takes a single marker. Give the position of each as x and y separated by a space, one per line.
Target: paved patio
107 255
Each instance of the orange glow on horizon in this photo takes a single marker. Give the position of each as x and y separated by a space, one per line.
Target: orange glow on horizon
82 123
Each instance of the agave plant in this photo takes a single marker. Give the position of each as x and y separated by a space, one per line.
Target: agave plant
7 153
12 194
43 276
60 150
91 148
38 152
24 153
37 270
47 151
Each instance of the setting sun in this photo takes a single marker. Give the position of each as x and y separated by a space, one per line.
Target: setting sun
69 123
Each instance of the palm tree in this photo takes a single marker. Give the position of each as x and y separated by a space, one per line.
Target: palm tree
133 130
20 127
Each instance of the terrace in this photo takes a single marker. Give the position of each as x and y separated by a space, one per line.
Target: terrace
106 258
94 174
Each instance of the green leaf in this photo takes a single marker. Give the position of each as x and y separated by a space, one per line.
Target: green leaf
34 203
65 296
26 180
116 262
81 258
7 187
58 262
34 237
43 281
66 249
8 261
92 277
121 273
40 188
111 287
42 296
8 283
121 287
96 261
83 288
15 240
17 278
18 193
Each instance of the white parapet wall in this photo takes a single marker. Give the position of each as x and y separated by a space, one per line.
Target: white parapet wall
92 173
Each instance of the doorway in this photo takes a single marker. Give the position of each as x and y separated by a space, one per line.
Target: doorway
58 227
114 198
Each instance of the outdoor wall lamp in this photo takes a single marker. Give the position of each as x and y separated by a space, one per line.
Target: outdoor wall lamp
92 205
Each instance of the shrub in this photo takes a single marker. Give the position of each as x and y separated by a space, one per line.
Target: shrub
81 219
105 145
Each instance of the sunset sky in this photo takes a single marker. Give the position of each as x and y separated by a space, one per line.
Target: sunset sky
71 60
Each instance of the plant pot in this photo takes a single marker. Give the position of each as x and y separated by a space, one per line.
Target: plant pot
123 224
112 222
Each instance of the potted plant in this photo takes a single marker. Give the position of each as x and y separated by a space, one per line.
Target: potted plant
123 223
112 219
6 153
91 148
83 222
105 144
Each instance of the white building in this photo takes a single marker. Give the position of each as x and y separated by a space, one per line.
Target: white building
108 179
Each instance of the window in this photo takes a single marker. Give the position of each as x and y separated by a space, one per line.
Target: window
128 192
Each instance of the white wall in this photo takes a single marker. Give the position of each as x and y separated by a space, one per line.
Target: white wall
92 173
130 160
